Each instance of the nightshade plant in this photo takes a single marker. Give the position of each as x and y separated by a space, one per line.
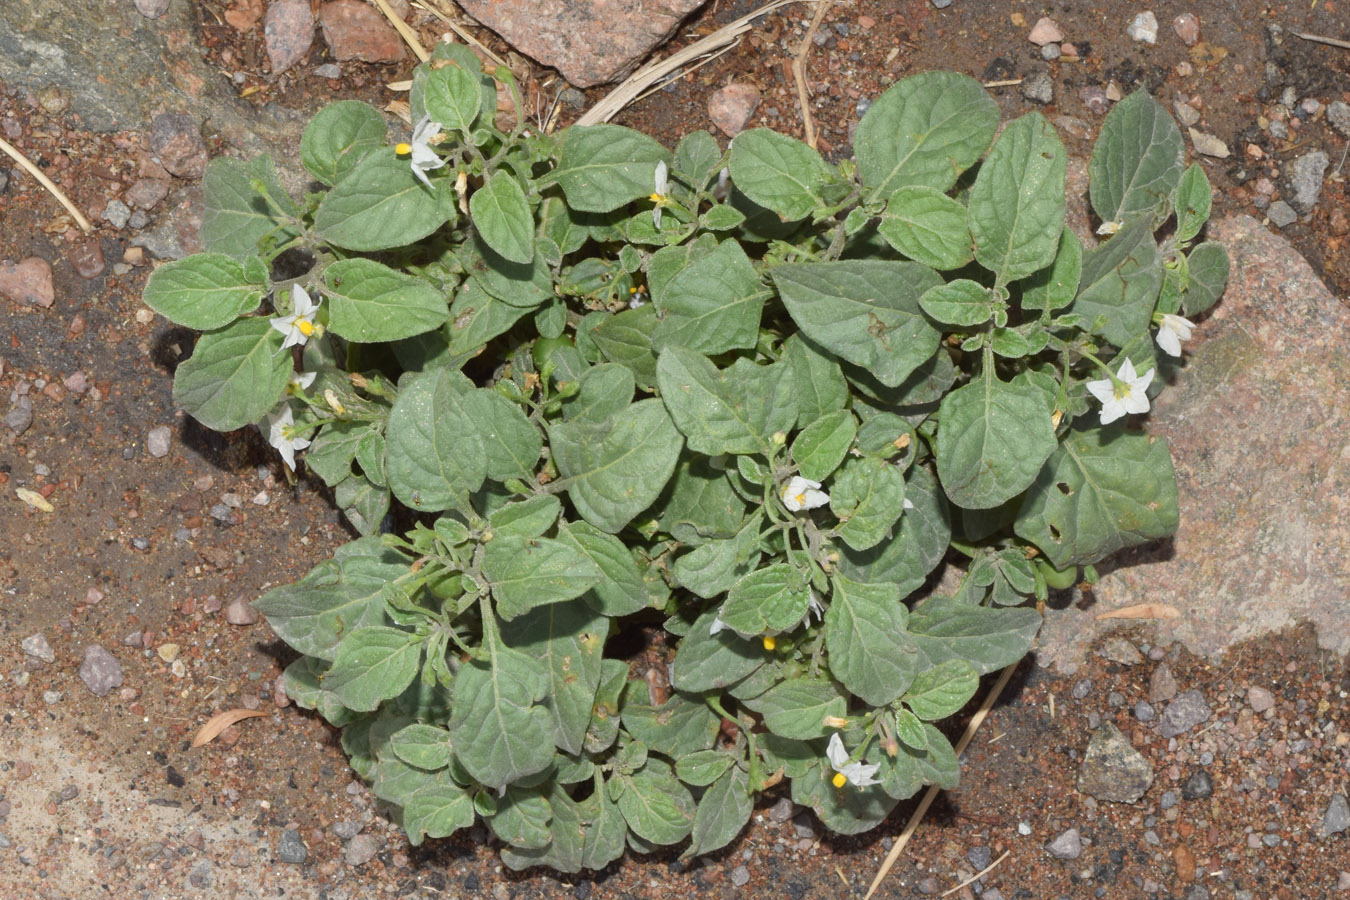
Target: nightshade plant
722 412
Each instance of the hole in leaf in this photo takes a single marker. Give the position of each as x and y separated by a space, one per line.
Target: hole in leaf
1054 534
1065 489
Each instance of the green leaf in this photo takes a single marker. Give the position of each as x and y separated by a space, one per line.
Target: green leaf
767 601
338 137
682 725
203 291
372 665
867 496
927 226
797 707
919 544
562 850
500 734
476 317
821 446
656 806
696 159
1208 269
235 217
522 819
1017 201
721 218
732 411
722 813
992 438
435 454
884 435
909 729
961 302
700 503
525 519
424 746
1192 200
626 339
711 305
569 639
452 96
1120 282
817 381
380 204
713 568
703 767
502 216
370 302
913 767
437 809
527 573
524 285
616 468
870 652
709 662
511 442
1103 490
1137 162
925 130
778 172
603 167
988 638
338 596
864 311
621 590
363 502
942 690
235 376
603 390
1055 286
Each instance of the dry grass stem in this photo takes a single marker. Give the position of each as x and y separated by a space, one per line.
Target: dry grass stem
435 8
1320 39
47 183
799 75
694 68
409 36
1142 611
913 824
1010 82
978 875
610 105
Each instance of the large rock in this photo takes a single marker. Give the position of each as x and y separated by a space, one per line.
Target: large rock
589 41
356 30
1259 426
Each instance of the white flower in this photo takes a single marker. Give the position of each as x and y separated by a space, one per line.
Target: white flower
855 773
300 381
723 184
281 434
815 606
1109 227
299 325
1172 331
423 157
716 626
802 493
659 196
1128 393
637 297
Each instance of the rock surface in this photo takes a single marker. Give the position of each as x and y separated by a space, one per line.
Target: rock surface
356 30
589 41
1258 423
731 107
1112 769
288 33
29 281
100 671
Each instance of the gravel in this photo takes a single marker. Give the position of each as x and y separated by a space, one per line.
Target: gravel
1306 180
347 830
290 849
740 876
1338 114
1144 28
1281 214
1337 817
1162 686
1198 787
1112 769
20 416
1039 88
157 441
1188 710
979 857
100 671
240 612
1068 845
38 648
1144 712
1260 699
361 850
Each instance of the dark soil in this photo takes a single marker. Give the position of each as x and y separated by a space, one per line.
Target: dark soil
104 796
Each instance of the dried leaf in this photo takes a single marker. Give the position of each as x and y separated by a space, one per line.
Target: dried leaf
1143 611
220 721
34 499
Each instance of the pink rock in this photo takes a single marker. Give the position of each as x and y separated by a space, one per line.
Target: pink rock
146 193
29 281
240 612
1187 28
288 33
1045 31
589 41
355 30
177 141
731 107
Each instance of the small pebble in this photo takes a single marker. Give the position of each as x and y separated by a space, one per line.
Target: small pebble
740 876
979 856
783 810
1049 53
290 849
100 671
1143 711
1187 27
1198 787
1081 689
346 830
1168 799
1068 845
1188 710
38 648
1162 686
328 70
240 612
1281 214
1337 817
1094 98
1338 114
1259 699
157 441
1144 28
1046 31
20 416
116 214
51 698
361 850
1039 88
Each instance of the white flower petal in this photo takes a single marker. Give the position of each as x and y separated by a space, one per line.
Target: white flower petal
1168 341
1104 390
835 752
860 775
662 177
716 626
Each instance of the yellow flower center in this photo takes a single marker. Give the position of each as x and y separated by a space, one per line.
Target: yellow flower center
838 780
658 199
770 642
801 499
304 326
403 149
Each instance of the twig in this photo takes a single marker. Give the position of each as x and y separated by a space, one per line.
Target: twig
913 824
409 36
1011 82
432 6
694 68
610 105
799 75
978 875
1320 39
46 182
